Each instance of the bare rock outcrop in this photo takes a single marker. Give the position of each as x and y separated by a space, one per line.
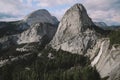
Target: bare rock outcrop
75 32
78 34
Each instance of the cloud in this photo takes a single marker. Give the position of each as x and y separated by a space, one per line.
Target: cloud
104 10
12 9
9 6
99 10
53 3
59 13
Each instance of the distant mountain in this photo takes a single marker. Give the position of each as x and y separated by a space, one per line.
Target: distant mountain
101 24
35 27
114 27
104 26
40 16
3 15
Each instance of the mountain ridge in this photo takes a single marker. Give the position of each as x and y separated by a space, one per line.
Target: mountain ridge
33 32
40 16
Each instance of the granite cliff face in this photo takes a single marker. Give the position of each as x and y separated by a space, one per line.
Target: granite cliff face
75 32
106 59
78 34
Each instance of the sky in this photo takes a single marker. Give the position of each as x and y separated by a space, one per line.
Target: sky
107 11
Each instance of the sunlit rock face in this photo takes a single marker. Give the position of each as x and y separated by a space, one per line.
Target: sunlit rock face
75 32
78 34
107 59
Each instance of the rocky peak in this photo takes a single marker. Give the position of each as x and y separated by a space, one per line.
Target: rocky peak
77 15
40 16
75 31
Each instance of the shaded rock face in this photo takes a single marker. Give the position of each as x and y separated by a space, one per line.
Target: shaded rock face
12 28
77 34
40 16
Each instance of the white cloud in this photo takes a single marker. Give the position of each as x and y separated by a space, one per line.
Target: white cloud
52 3
13 8
21 1
59 13
99 10
9 7
29 3
10 19
103 10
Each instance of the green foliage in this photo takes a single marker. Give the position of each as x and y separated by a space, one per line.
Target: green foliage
115 37
62 66
89 73
11 28
8 28
6 72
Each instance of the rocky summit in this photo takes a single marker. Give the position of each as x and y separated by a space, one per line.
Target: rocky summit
40 16
78 34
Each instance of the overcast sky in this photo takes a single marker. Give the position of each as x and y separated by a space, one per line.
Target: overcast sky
107 11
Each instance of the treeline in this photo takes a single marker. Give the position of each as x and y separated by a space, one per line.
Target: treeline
115 37
52 65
